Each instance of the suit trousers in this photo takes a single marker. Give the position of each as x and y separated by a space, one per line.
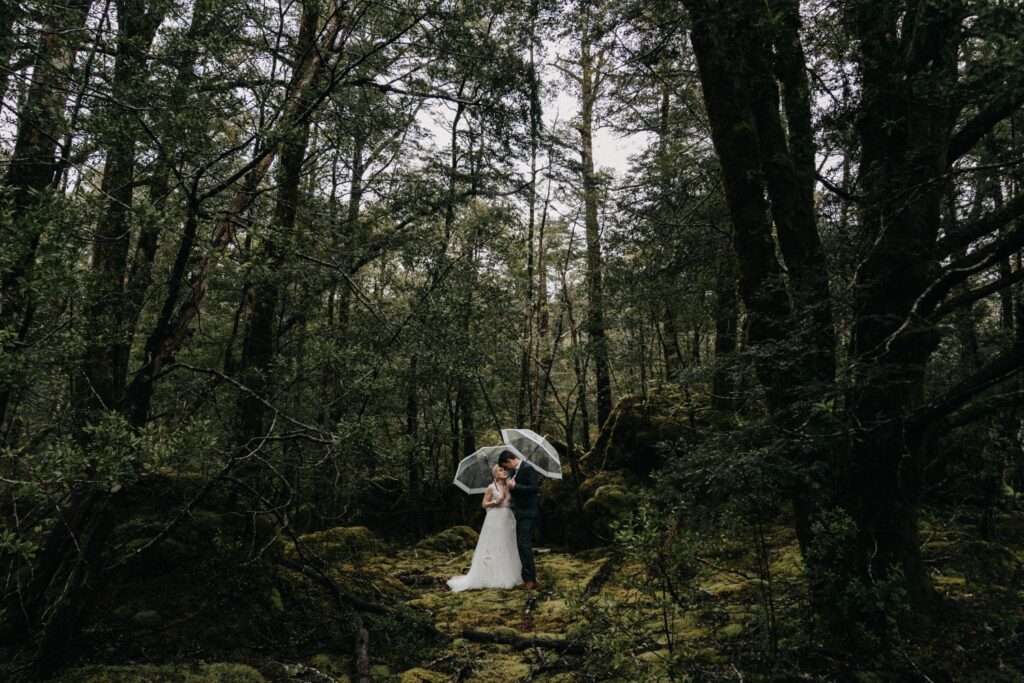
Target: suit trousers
524 543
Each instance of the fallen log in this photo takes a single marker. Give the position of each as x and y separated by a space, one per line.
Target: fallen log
361 656
602 576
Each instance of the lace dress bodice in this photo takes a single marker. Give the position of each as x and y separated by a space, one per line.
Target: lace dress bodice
504 500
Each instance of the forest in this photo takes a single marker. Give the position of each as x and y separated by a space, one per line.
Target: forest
271 269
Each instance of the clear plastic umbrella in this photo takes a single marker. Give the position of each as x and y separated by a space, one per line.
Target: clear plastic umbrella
474 472
535 450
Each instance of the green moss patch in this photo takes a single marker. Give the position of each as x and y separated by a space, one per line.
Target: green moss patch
342 544
457 539
422 676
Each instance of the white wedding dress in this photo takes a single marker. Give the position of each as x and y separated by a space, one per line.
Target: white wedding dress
496 559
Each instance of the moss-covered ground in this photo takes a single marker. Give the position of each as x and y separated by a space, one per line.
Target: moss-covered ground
271 623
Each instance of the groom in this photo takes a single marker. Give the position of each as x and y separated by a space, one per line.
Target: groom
524 485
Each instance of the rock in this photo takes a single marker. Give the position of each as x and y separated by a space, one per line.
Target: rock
147 617
422 676
332 665
730 632
342 544
638 431
380 672
457 539
610 498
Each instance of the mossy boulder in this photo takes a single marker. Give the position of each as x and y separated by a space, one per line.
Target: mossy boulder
147 617
211 584
457 539
422 676
335 666
610 498
342 544
640 428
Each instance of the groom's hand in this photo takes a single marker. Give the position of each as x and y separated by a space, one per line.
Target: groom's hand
511 483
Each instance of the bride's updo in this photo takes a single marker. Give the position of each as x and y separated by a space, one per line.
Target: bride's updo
494 472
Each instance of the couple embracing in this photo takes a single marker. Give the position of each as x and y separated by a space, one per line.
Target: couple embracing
504 552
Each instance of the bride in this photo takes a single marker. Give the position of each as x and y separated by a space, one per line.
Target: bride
495 561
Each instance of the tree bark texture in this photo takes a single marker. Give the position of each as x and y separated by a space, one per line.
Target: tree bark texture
30 173
753 76
597 339
258 344
102 383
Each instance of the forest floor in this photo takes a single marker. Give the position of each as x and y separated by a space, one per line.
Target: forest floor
728 623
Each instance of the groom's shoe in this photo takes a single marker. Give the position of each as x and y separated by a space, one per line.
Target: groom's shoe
529 586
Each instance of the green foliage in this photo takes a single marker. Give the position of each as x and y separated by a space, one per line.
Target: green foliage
13 545
413 309
649 627
341 544
867 611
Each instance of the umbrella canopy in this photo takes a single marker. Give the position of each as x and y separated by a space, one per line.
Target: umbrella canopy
535 450
474 472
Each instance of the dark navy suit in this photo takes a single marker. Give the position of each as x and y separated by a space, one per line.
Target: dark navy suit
526 506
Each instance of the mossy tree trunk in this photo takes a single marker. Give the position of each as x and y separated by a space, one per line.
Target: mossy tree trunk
258 345
753 75
590 78
102 385
767 162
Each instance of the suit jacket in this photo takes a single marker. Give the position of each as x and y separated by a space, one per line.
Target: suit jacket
525 498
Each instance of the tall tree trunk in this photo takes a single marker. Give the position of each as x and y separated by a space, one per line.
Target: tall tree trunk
465 388
670 343
105 366
140 274
726 322
350 240
899 220
580 369
598 341
545 353
175 318
414 467
30 174
258 346
527 405
768 182
102 386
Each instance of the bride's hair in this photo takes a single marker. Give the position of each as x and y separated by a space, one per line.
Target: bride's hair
494 471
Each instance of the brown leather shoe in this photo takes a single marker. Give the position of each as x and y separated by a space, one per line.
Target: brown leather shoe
529 586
